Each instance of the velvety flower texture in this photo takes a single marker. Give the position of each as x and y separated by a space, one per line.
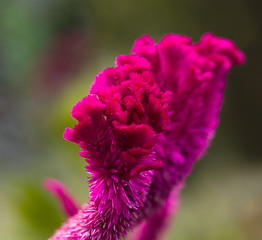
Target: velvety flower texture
144 125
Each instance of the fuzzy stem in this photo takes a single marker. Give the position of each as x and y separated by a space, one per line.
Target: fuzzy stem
156 224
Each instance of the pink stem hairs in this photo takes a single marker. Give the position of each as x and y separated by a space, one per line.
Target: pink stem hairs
144 124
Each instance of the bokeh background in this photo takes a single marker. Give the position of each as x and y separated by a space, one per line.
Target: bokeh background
50 52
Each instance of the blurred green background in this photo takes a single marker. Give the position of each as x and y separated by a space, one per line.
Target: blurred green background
50 52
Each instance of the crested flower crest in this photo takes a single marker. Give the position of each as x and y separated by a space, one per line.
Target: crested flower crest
144 124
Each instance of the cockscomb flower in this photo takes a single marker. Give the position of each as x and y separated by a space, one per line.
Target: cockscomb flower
144 124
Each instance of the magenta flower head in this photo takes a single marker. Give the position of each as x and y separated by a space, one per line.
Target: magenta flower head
144 124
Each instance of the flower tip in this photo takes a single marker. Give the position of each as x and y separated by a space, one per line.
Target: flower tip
68 134
224 46
144 46
68 204
146 40
173 38
241 58
50 184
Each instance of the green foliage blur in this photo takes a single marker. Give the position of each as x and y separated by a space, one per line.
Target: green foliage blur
50 52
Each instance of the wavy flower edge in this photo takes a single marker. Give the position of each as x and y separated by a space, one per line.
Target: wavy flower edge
144 125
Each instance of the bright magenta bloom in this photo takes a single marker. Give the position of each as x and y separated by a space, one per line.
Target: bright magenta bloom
144 125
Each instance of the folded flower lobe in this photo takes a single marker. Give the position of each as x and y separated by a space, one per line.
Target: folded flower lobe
146 123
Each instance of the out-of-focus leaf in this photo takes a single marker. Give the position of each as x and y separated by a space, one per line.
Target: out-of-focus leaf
38 209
